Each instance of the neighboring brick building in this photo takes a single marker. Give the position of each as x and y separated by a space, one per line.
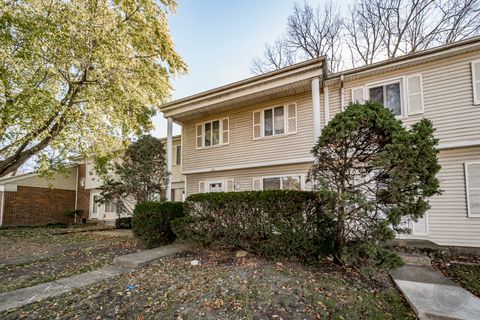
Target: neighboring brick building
30 200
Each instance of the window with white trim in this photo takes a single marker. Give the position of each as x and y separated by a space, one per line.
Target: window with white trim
293 182
388 94
213 133
110 207
275 121
178 155
472 186
476 81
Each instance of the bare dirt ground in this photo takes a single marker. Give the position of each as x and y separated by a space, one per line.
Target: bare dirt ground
222 286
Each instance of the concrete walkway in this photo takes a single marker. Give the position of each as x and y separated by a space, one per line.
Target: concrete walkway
432 295
122 264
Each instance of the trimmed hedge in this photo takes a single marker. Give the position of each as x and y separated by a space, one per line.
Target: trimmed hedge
272 223
151 222
123 223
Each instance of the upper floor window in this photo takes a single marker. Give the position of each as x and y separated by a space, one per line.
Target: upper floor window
389 95
213 133
275 121
402 96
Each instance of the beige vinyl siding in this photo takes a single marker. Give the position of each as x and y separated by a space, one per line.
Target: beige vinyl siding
176 168
447 96
448 220
244 177
64 180
242 149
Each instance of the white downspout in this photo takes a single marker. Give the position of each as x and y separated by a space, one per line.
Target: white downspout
76 195
169 158
326 105
1 207
317 130
342 94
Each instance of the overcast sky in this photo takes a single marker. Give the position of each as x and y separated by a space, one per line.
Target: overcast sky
218 39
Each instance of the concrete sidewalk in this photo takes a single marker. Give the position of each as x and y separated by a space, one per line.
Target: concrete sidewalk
432 295
122 264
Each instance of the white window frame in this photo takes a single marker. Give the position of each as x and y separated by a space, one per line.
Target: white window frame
415 233
177 163
476 95
220 130
209 182
301 175
285 121
384 83
112 204
467 188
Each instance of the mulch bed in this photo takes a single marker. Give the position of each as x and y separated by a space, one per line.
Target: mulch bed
463 270
224 287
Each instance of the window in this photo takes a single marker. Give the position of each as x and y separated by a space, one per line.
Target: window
178 155
110 207
215 186
472 181
282 183
476 81
213 133
275 121
389 95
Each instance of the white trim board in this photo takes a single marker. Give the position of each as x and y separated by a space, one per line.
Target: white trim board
251 165
459 144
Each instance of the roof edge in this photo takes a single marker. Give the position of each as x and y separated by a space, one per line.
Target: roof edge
405 58
243 82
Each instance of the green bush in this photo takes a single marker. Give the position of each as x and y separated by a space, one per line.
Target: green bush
272 223
123 223
151 222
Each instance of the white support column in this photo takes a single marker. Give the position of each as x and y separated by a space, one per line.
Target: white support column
169 158
317 130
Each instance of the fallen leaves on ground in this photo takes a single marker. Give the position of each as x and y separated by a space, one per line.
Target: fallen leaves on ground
224 287
463 270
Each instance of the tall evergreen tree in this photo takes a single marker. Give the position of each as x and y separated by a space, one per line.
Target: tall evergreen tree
378 171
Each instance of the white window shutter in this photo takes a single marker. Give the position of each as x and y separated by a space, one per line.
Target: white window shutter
257 184
257 125
472 180
476 81
199 135
415 94
201 187
292 118
358 94
230 185
421 226
225 131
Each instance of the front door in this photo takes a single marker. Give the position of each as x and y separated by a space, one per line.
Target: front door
95 205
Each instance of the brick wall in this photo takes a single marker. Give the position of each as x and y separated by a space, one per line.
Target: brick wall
83 195
30 206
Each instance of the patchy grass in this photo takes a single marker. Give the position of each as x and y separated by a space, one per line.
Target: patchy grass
30 256
465 271
223 287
